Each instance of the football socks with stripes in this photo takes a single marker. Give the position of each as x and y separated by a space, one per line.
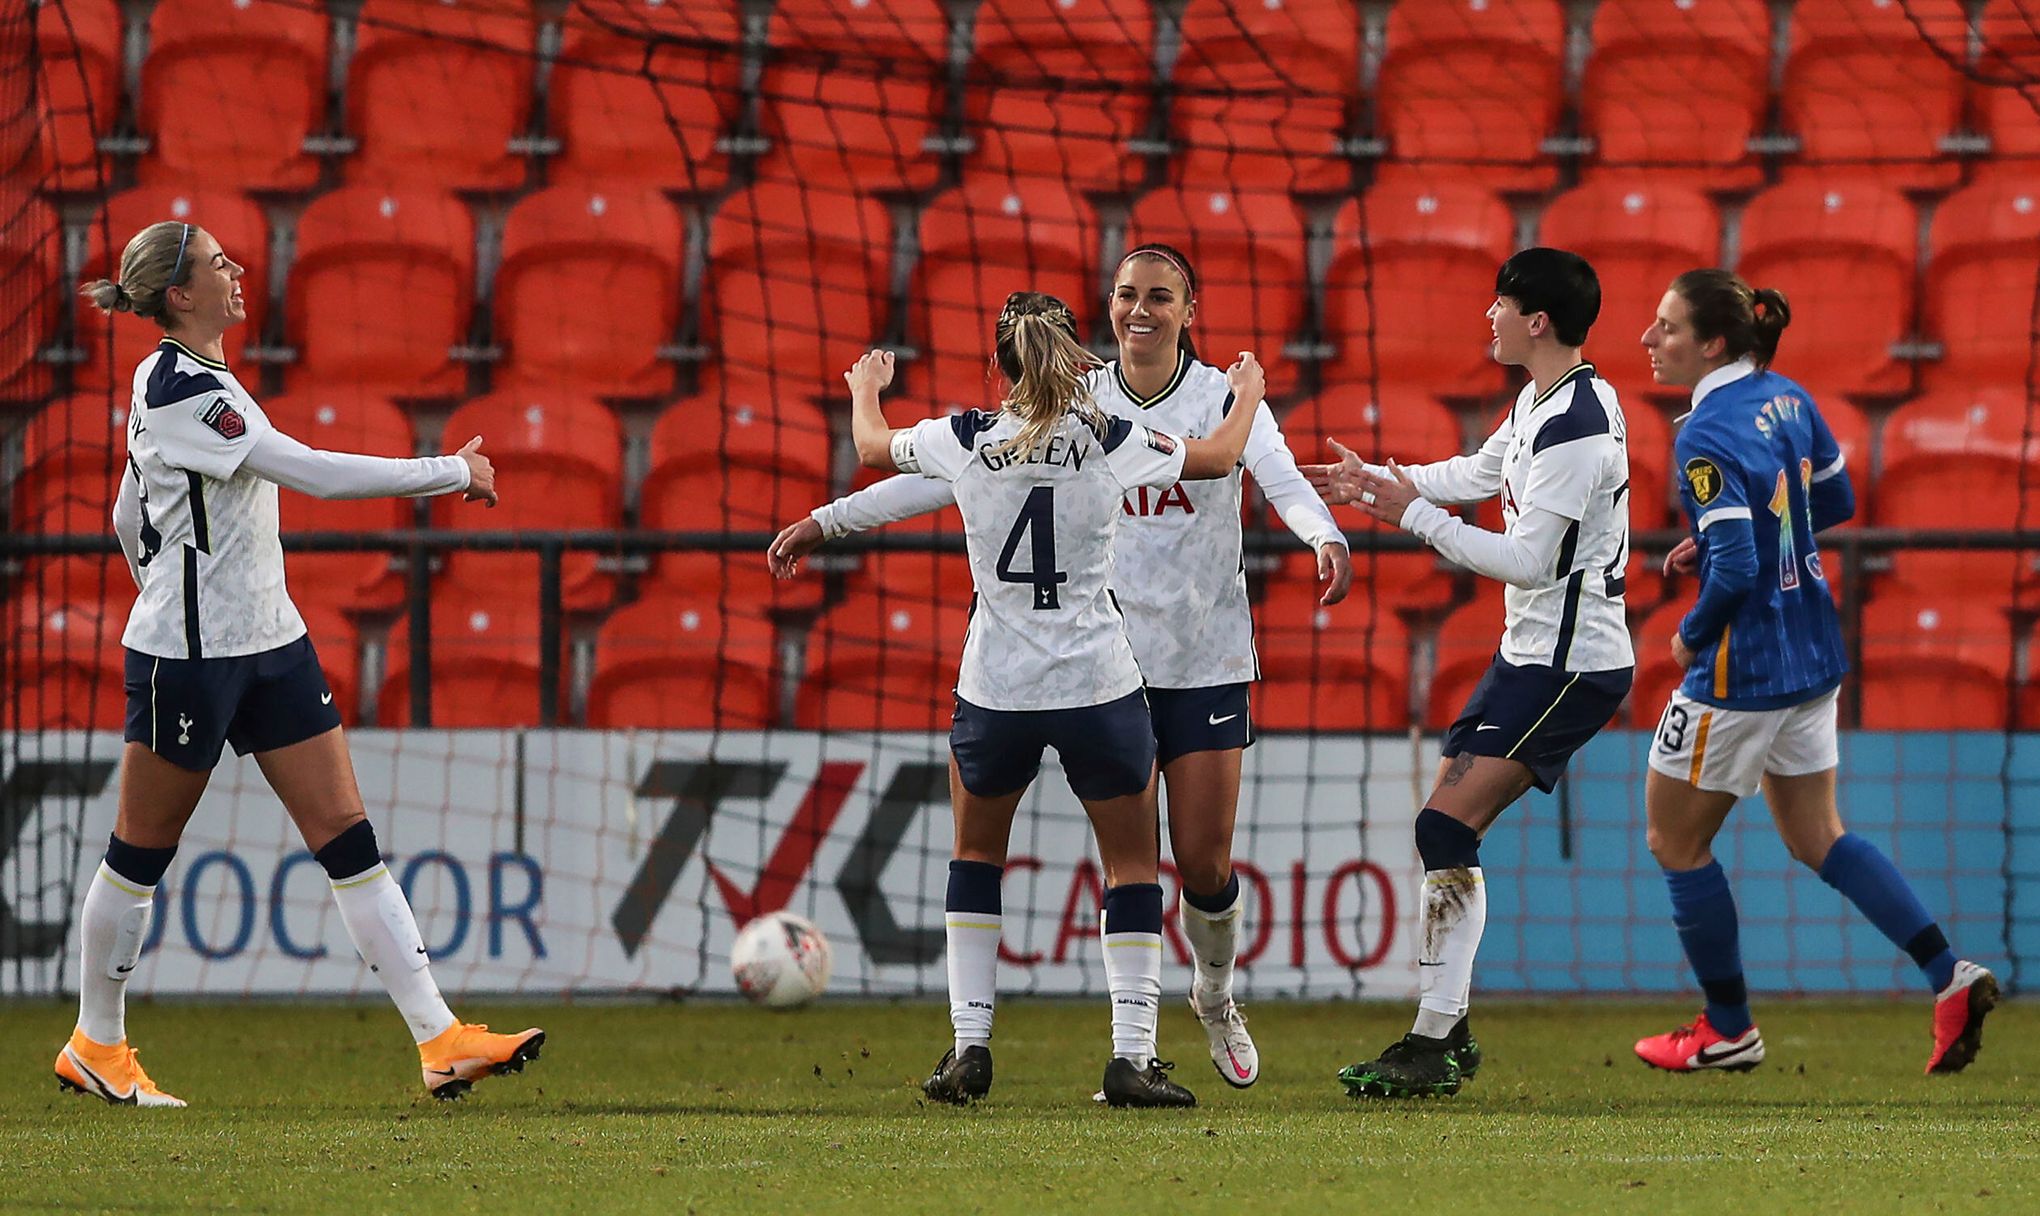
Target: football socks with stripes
973 925
1133 967
380 924
1454 904
111 930
1212 926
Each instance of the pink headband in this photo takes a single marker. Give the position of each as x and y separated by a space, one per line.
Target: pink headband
1156 253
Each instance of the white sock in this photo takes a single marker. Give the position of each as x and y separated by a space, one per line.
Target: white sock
973 975
1214 945
1133 975
379 922
1454 914
111 930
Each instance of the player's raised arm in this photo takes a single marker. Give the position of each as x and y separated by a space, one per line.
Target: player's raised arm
1215 455
868 430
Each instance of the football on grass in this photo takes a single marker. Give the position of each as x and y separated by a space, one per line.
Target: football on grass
780 960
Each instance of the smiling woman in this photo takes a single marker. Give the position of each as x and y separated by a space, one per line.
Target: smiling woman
218 654
1178 581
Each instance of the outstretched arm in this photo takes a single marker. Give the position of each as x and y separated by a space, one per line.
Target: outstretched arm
889 501
1268 458
322 474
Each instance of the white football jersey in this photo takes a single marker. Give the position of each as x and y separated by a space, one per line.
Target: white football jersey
1178 564
1564 449
207 556
1045 632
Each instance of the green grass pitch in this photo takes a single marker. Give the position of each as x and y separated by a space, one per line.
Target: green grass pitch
719 1108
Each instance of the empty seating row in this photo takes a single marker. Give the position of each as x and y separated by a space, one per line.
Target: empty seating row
746 456
383 286
690 657
1262 92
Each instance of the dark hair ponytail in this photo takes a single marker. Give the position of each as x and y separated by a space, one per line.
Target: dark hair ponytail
1172 257
1748 320
1771 315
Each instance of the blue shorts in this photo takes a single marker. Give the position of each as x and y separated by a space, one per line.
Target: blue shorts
1200 720
1536 716
185 710
1107 751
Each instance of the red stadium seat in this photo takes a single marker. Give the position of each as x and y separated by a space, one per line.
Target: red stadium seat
2010 55
62 667
1873 84
485 660
883 662
1959 460
1262 92
1414 429
589 289
944 577
1851 430
852 91
72 455
1247 250
739 457
1466 642
1416 273
1935 661
681 659
233 220
1344 668
31 252
1656 674
78 88
1650 457
230 90
798 282
343 418
560 458
436 92
382 288
1059 87
1843 254
991 236
1639 235
1980 282
643 91
1475 83
1678 88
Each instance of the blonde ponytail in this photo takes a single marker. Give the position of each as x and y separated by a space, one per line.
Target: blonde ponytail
1039 354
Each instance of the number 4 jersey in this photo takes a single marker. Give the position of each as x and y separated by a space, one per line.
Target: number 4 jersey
1045 633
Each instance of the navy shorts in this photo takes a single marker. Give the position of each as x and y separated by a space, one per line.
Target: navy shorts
1108 751
1536 716
1200 720
185 710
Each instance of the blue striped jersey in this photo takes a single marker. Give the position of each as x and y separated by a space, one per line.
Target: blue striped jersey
1758 468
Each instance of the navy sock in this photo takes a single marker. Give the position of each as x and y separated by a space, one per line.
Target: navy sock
1703 911
1227 896
1444 843
1134 907
350 853
140 866
1859 870
974 887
